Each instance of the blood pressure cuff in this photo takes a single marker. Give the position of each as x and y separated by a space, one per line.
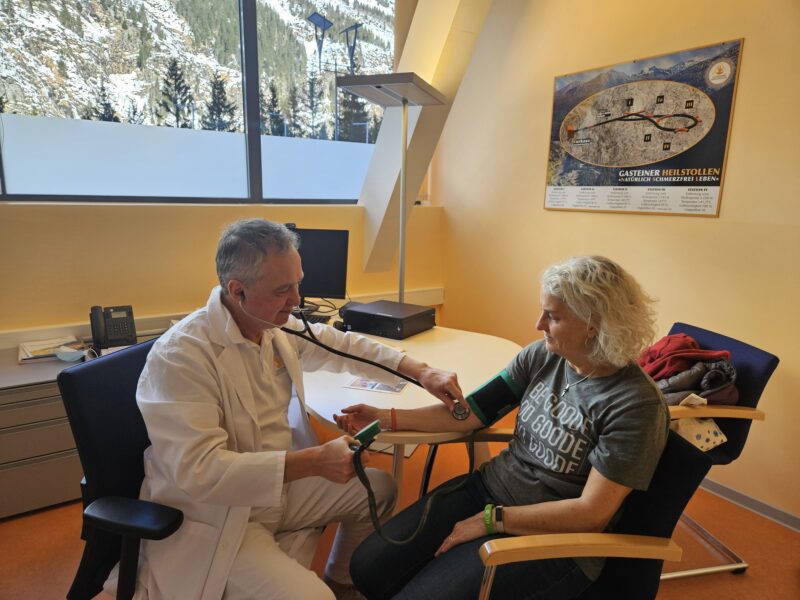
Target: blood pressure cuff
495 398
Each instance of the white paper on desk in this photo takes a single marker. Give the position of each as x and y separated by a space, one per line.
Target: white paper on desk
361 383
45 349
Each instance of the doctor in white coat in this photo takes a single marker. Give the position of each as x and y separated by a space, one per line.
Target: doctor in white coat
222 397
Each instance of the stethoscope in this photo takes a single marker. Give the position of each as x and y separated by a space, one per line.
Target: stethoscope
307 334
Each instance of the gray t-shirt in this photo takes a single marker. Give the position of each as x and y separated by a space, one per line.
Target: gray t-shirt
617 424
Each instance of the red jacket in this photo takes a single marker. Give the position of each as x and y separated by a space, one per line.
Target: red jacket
675 353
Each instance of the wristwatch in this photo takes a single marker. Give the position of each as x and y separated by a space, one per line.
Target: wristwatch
498 519
460 412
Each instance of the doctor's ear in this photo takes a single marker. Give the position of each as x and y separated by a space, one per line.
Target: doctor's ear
235 289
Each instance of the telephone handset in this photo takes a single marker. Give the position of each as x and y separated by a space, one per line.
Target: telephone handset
112 326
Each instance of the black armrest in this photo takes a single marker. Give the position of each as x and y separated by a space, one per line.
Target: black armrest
132 517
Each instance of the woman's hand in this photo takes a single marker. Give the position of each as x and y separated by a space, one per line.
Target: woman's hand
358 416
469 529
443 385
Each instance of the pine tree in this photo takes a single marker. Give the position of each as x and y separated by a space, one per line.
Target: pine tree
145 42
2 103
219 112
63 15
135 115
313 100
294 121
102 110
353 118
263 112
272 120
176 98
375 125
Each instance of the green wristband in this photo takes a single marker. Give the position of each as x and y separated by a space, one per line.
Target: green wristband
487 518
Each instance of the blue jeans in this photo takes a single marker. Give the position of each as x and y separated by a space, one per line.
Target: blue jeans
410 572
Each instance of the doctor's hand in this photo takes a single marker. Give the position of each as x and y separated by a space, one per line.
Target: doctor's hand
464 531
334 460
358 416
443 385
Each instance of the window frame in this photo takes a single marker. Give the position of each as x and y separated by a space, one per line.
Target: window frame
248 39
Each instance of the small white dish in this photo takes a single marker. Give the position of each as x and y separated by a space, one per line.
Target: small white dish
70 355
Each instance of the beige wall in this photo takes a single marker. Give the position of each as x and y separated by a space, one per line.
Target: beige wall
736 274
58 260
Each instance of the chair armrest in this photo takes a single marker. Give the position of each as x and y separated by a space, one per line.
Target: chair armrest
715 411
132 517
559 545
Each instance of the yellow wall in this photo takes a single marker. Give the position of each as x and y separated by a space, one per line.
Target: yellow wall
58 260
736 274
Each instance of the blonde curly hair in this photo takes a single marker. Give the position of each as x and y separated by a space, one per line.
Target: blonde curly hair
604 295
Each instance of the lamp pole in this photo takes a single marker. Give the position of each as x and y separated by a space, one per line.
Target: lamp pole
335 100
403 152
396 90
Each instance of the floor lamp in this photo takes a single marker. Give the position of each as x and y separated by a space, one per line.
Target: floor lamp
395 89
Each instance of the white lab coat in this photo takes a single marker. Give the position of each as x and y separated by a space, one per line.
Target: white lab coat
206 456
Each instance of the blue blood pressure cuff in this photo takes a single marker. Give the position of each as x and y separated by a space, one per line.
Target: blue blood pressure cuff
495 398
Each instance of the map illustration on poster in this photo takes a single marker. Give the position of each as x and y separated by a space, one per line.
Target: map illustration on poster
649 136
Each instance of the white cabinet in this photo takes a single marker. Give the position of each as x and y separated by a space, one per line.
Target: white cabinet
39 465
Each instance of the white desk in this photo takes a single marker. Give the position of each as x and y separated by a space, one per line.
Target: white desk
474 357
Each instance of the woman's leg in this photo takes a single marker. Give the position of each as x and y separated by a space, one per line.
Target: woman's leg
380 570
457 575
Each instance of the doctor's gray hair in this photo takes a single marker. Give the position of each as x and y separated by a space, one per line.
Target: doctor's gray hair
605 296
244 245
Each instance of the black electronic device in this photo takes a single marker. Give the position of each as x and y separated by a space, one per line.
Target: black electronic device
347 306
324 256
394 320
112 326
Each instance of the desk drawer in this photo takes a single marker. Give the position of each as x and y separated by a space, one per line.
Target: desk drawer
28 441
35 483
28 392
31 411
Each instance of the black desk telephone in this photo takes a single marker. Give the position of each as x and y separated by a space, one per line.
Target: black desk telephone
112 326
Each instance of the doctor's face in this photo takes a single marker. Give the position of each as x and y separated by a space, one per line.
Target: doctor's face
273 296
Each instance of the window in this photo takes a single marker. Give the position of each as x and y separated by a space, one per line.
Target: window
126 100
316 138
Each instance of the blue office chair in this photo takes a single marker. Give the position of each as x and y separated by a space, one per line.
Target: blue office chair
110 435
754 367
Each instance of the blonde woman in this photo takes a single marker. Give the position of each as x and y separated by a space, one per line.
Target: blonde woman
591 427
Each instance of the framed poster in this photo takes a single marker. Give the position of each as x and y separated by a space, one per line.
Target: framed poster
649 136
